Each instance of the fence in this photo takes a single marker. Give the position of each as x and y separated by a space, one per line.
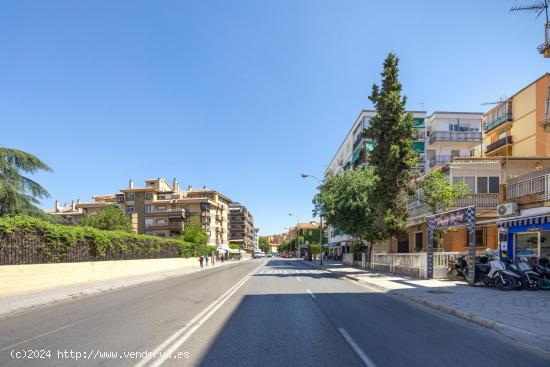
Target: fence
414 265
29 248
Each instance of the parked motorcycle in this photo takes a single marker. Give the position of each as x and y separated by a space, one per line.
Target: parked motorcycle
489 272
543 269
456 268
528 279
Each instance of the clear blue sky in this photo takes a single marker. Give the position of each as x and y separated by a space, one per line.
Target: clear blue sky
241 96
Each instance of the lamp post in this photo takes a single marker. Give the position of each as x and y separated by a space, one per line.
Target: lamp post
320 220
297 232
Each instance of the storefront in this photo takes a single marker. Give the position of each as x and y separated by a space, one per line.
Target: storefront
525 236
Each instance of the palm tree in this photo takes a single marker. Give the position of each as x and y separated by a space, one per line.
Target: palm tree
20 194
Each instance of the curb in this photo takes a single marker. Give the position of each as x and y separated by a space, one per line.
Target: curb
537 342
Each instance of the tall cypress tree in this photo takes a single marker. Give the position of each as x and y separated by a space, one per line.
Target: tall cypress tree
393 157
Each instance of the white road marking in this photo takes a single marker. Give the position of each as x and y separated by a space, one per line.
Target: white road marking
364 358
298 279
44 334
173 343
311 294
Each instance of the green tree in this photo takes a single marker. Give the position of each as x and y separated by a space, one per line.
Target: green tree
20 194
347 202
111 217
234 246
264 244
393 157
438 194
194 233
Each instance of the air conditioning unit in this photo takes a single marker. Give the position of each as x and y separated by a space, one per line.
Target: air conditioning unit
504 210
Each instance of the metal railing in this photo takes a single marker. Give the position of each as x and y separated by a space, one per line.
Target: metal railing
417 209
474 136
499 144
534 186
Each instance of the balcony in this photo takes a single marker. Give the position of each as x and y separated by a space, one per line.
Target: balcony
488 126
471 136
532 189
444 159
418 210
499 144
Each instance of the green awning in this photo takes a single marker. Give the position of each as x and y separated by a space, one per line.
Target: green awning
418 122
418 146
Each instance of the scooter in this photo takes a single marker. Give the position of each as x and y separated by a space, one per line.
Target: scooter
489 272
543 269
456 268
529 279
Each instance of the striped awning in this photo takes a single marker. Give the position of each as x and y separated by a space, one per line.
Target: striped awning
541 219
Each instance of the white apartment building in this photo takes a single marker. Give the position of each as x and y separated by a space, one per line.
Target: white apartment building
354 152
450 135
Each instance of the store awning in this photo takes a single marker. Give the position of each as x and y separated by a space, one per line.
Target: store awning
369 146
525 221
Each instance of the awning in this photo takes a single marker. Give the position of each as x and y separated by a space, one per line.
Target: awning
525 221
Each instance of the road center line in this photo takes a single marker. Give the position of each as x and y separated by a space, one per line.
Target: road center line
362 356
298 279
311 294
192 325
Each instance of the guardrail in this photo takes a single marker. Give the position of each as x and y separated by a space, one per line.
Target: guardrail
537 185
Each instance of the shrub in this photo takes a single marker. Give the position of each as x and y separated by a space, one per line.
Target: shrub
27 240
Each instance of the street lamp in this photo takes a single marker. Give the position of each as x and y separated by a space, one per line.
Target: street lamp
320 220
297 243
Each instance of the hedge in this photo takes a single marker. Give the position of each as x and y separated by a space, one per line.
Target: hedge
28 240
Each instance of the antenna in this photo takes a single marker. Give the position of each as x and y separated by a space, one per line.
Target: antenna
499 101
538 7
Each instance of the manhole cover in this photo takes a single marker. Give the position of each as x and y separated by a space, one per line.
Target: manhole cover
439 292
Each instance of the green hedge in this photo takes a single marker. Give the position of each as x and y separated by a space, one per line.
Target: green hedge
27 240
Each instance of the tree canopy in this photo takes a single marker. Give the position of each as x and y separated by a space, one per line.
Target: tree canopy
348 202
111 217
393 157
438 193
264 244
20 194
194 233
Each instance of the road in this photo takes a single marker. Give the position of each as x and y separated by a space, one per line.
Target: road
269 312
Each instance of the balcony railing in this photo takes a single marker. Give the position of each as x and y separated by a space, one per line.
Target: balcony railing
416 209
538 186
499 144
443 159
473 136
498 121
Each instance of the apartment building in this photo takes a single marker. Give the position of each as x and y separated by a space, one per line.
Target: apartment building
451 135
520 125
354 152
162 209
156 207
241 227
486 179
211 208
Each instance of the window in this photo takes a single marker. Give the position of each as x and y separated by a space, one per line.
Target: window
148 208
130 196
148 196
161 221
471 182
161 208
205 206
161 234
482 185
129 209
120 198
480 237
494 183
148 221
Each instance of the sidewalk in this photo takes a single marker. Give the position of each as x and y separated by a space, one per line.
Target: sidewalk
520 315
26 301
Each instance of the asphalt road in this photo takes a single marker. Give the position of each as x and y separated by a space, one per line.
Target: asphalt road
256 313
